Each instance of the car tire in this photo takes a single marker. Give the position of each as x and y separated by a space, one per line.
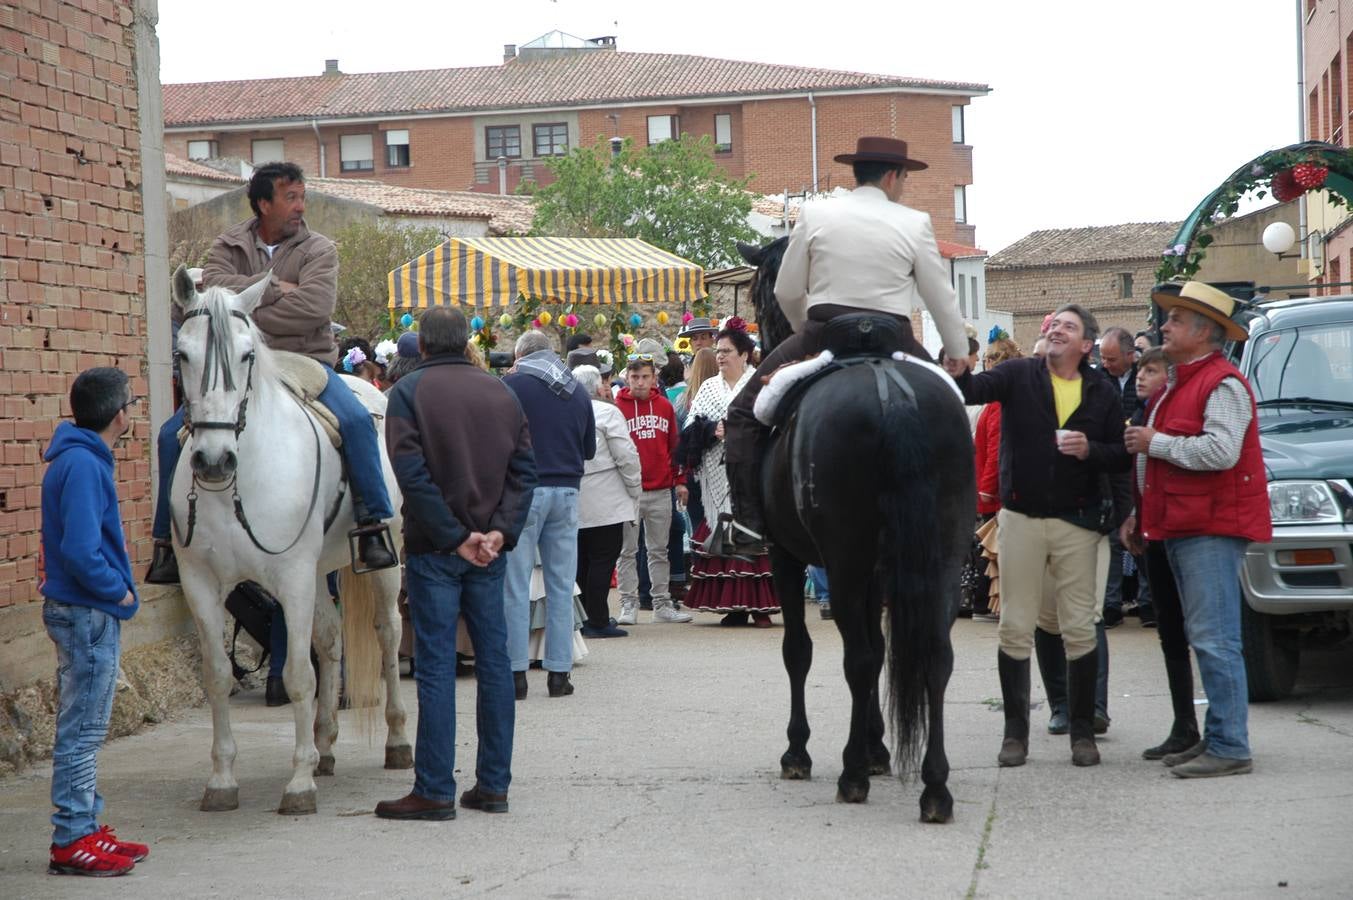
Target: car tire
1272 655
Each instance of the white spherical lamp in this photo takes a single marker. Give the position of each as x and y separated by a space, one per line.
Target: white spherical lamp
1279 237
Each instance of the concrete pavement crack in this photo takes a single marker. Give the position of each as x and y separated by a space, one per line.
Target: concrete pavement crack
980 863
1306 719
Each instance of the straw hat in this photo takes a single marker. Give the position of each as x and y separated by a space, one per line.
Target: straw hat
1206 300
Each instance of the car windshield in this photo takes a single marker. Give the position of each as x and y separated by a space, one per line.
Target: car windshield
1314 362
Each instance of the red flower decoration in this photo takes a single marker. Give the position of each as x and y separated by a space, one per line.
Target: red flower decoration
1309 175
1285 186
735 323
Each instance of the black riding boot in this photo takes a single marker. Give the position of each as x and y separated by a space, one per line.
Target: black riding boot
164 565
1014 674
1184 734
748 528
1052 666
1082 674
375 550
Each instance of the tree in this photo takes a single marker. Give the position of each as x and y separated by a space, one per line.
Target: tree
368 250
672 195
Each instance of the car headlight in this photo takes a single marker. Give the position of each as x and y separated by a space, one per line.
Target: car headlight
1303 502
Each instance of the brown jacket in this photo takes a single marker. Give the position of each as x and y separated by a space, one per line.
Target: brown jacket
297 321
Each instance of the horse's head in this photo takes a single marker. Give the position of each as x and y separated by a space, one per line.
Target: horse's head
773 325
218 348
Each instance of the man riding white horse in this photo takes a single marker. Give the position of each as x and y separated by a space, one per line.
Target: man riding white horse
294 314
865 252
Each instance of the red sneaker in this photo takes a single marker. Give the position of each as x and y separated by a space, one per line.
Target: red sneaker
86 857
109 843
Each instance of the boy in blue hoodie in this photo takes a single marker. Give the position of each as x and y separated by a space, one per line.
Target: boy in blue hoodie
87 582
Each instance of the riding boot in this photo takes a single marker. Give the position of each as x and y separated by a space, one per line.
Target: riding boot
747 528
164 565
375 549
1184 733
1081 676
1014 675
1052 666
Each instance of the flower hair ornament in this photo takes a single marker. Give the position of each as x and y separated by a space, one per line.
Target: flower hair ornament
735 323
385 351
606 357
997 333
1047 323
352 359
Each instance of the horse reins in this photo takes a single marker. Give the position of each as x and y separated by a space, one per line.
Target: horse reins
216 361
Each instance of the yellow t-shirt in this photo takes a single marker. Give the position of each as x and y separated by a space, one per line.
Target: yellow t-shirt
1066 394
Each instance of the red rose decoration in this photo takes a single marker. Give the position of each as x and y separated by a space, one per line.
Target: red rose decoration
1285 186
1309 175
735 323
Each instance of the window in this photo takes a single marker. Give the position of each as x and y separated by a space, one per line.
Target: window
1336 103
354 153
267 151
958 125
962 296
661 128
960 204
502 140
203 150
976 309
723 133
1125 285
397 148
550 139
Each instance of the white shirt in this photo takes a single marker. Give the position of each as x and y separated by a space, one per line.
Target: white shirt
864 251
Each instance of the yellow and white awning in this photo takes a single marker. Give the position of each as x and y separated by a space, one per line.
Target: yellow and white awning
488 272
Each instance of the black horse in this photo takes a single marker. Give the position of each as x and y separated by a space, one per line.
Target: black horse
872 479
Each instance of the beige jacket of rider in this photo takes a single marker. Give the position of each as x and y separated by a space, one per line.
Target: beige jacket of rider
865 251
297 321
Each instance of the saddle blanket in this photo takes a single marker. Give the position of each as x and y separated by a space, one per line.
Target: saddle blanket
785 377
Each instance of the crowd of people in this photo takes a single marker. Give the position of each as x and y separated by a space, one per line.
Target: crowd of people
583 466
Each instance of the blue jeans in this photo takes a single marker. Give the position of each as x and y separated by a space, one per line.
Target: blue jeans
87 650
1207 571
361 448
441 589
277 643
551 528
818 576
1113 591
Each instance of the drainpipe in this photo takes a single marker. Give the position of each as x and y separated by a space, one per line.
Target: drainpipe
1301 119
314 123
812 106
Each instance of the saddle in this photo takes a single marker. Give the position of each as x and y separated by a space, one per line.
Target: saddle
306 379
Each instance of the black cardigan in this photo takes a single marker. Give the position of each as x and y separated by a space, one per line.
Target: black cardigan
1036 478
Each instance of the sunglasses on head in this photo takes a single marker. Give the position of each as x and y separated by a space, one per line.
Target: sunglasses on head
640 357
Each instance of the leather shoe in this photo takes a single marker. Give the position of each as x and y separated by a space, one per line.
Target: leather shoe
372 547
1208 766
519 683
824 610
1173 759
415 807
609 630
558 684
275 693
164 565
484 801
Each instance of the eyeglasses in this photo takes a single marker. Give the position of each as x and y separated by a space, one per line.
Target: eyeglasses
723 351
640 357
132 402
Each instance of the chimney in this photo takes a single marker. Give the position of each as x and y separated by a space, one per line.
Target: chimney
331 67
509 52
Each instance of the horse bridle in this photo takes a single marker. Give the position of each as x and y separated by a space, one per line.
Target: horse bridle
211 363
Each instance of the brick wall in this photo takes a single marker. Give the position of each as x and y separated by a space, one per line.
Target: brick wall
71 276
1030 294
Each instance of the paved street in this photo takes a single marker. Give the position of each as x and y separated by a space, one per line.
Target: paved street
660 778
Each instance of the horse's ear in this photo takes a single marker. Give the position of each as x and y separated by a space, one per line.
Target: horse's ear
750 252
247 300
184 290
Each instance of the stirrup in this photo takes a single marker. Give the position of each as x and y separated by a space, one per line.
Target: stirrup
381 532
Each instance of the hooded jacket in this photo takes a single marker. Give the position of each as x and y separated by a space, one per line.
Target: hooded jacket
84 552
653 428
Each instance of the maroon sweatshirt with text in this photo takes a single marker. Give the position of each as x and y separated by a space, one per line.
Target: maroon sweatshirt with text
653 428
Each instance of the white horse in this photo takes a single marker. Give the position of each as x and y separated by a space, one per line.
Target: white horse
259 496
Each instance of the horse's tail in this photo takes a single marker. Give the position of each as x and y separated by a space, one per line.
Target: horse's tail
360 596
911 569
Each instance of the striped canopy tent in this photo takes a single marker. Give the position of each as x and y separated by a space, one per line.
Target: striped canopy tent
490 272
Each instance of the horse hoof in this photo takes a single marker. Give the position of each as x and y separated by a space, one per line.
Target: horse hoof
302 804
400 757
220 799
326 766
850 792
796 772
938 808
880 768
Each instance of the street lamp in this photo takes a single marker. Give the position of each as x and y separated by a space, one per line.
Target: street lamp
1279 238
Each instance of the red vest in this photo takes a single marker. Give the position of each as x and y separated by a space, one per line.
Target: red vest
1180 502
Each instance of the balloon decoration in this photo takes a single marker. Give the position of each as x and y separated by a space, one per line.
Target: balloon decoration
536 323
476 323
636 320
571 320
600 320
505 321
545 318
662 317
406 320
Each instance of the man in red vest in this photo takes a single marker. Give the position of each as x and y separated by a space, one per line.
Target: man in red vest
1204 493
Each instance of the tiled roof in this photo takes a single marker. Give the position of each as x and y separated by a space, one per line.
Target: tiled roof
185 168
951 250
576 79
1071 246
506 215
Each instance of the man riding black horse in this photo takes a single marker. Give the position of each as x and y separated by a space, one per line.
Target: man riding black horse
865 252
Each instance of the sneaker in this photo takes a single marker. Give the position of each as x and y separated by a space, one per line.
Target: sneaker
629 613
86 857
1113 617
667 614
109 843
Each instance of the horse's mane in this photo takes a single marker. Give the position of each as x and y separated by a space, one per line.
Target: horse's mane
217 363
770 319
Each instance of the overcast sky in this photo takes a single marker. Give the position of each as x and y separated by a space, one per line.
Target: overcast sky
1099 113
